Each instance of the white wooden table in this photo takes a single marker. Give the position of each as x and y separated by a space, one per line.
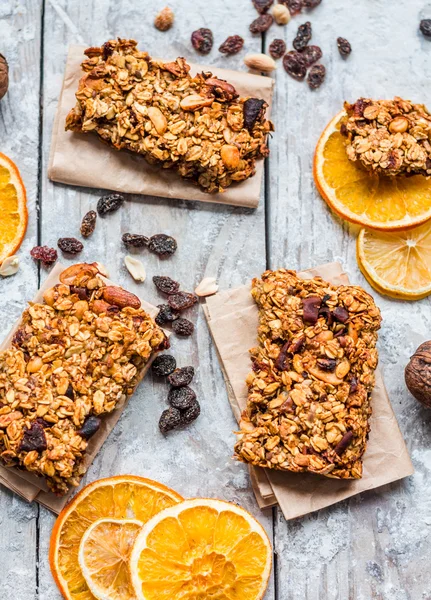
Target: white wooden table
374 546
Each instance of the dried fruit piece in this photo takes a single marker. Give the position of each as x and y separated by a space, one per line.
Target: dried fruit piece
262 6
9 266
207 287
182 398
70 245
33 439
344 47
311 306
183 327
316 76
109 204
170 419
164 365
202 40
277 48
165 284
4 76
425 27
232 45
88 223
182 300
340 314
135 268
311 3
283 362
253 110
261 24
164 19
294 65
294 6
181 377
135 240
90 427
165 315
161 244
311 54
46 255
281 14
303 36
260 62
191 414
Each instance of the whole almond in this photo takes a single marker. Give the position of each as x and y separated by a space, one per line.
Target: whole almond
230 156
135 268
260 62
158 119
100 306
281 14
116 295
195 102
207 287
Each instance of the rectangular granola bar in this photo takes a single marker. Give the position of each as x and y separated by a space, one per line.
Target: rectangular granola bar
308 404
198 126
73 358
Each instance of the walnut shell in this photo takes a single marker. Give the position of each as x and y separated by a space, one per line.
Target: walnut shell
4 76
418 374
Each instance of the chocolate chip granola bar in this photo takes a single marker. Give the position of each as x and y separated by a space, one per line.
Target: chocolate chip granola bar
389 137
198 126
308 404
73 359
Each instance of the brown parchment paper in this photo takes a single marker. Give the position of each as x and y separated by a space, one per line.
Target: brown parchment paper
28 485
83 160
232 317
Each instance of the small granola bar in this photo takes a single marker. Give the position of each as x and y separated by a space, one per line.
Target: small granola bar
308 404
198 126
389 137
73 358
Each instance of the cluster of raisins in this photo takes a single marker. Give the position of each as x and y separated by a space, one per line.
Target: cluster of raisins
297 61
161 244
177 301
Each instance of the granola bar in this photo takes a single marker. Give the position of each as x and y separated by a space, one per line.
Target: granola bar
198 126
73 359
308 404
390 137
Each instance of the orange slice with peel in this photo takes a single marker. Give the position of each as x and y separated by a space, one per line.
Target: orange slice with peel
397 264
13 208
384 203
199 549
121 497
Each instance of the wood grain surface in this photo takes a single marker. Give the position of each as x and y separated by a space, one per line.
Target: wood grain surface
376 546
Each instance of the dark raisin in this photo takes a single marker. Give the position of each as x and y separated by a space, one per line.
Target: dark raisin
261 24
107 50
70 245
353 385
311 54
183 327
70 393
311 306
165 315
311 3
166 285
88 223
283 362
46 255
425 27
253 109
294 6
344 47
303 36
82 292
316 76
325 312
191 414
340 314
110 203
182 300
277 48
327 364
202 40
343 443
89 428
135 240
170 419
164 365
232 45
33 439
294 65
296 345
181 398
163 245
20 337
181 377
262 6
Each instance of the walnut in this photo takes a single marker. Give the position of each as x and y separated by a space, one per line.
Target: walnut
418 374
4 76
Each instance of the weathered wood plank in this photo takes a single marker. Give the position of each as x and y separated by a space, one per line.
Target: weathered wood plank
376 545
20 23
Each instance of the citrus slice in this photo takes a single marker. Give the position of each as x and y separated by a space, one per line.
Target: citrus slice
13 208
104 554
397 264
122 497
201 549
385 203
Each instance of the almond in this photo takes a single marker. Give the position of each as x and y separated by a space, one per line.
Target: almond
116 295
281 14
100 306
260 62
194 102
207 287
230 156
158 119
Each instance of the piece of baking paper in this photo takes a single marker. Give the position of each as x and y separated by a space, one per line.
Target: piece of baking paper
28 485
232 317
84 160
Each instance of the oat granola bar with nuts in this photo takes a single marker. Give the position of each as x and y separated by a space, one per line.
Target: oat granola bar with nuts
73 359
198 126
308 405
389 137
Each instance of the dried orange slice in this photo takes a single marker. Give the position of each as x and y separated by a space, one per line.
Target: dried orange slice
13 208
122 497
397 264
104 554
201 549
385 203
